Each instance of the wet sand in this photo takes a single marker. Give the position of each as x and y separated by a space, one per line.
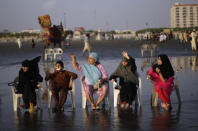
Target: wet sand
182 117
106 49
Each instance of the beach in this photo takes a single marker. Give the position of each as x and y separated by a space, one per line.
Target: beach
181 117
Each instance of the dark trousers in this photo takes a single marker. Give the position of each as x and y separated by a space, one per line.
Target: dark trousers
128 93
29 95
59 99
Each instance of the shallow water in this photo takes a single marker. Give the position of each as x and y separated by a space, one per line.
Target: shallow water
184 117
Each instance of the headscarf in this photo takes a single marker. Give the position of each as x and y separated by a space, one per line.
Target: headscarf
92 73
166 67
94 55
26 63
127 72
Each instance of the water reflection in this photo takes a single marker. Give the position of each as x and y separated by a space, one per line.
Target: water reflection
48 66
166 120
27 120
178 63
127 119
61 121
194 63
96 120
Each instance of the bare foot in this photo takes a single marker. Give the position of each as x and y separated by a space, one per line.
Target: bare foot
93 107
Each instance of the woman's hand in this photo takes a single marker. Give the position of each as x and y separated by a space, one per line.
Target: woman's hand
113 80
148 77
72 55
74 62
39 85
157 70
125 54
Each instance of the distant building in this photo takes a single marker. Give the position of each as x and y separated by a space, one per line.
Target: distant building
184 15
31 31
81 29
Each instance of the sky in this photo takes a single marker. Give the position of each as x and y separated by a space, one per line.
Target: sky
16 15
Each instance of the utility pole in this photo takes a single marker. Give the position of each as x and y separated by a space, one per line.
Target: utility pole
65 20
95 19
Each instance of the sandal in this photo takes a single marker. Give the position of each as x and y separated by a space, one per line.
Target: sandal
93 107
97 108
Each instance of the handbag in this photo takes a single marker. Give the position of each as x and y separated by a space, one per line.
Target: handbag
97 85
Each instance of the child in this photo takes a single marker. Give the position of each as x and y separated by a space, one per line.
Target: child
61 81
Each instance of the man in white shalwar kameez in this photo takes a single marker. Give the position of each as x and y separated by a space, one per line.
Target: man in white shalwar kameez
86 44
193 41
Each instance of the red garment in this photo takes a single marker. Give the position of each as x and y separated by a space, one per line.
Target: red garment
163 89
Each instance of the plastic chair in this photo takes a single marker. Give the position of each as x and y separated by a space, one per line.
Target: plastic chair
144 48
17 97
49 53
84 99
153 49
116 93
58 52
71 92
154 96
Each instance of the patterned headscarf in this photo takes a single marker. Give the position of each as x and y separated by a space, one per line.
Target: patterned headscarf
94 55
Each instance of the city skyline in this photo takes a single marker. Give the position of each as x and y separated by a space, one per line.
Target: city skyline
90 14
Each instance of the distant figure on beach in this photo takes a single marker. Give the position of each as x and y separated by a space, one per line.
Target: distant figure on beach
96 78
162 74
127 73
29 79
61 83
86 44
19 42
32 43
193 40
181 38
68 40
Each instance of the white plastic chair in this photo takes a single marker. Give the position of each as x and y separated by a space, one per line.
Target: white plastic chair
17 97
49 53
154 96
153 49
138 100
84 99
144 48
58 52
71 92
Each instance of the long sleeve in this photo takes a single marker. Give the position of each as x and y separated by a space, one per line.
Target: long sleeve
132 64
50 76
72 75
103 71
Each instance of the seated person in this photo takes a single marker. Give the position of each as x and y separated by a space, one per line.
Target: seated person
61 81
29 79
162 74
126 71
95 78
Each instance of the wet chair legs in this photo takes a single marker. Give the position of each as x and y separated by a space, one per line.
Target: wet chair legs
71 92
84 99
17 97
154 96
138 100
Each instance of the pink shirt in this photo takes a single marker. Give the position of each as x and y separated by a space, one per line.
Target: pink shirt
100 67
168 84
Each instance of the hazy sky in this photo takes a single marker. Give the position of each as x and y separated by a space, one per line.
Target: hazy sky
16 15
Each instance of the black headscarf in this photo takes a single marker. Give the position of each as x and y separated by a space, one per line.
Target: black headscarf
165 68
26 63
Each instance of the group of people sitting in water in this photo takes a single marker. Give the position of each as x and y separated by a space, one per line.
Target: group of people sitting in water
96 80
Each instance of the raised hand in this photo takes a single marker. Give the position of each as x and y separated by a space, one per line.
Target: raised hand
72 55
125 54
